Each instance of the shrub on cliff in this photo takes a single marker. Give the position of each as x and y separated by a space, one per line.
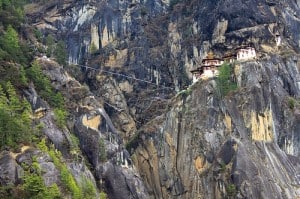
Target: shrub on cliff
225 80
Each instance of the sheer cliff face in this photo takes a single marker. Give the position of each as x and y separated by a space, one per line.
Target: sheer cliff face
160 41
244 145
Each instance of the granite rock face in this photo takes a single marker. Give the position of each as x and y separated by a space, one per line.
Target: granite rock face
245 145
99 140
196 144
10 171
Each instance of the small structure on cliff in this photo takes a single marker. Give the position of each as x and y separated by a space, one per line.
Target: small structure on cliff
209 65
229 57
208 68
245 53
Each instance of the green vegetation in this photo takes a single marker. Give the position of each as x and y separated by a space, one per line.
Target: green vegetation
225 82
44 88
93 48
74 145
185 93
56 50
102 150
12 15
88 189
10 47
50 43
231 190
222 167
133 142
67 178
15 122
292 103
33 186
11 12
60 117
38 35
60 53
103 195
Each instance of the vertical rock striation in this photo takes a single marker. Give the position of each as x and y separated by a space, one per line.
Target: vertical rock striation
245 145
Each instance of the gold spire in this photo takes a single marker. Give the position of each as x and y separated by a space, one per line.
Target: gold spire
210 55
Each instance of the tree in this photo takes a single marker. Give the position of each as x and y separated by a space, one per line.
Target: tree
50 45
10 44
14 102
60 53
102 150
3 99
15 121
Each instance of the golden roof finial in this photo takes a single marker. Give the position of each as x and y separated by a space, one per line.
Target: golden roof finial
210 55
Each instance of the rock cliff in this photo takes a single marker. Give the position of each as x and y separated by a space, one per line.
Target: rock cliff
240 146
137 137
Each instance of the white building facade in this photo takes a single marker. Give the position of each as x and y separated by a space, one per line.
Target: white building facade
246 53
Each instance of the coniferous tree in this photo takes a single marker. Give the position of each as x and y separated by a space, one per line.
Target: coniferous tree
9 44
60 53
50 45
3 99
14 102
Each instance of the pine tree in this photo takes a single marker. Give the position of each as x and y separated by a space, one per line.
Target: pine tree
60 53
3 99
11 39
14 103
50 45
23 78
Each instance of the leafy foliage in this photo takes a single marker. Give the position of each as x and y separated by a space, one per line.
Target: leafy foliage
225 82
